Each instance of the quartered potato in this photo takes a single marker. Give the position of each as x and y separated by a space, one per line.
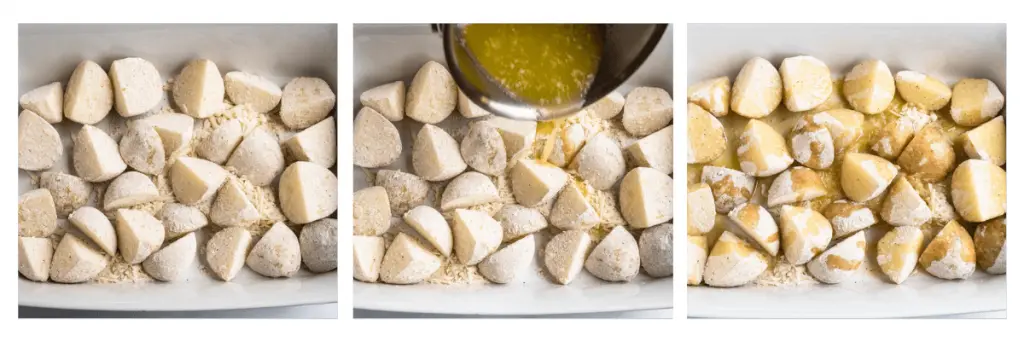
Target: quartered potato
432 95
848 217
733 262
129 189
987 142
645 197
903 206
199 89
929 155
806 81
647 110
46 101
508 262
143 150
69 192
96 157
405 262
730 187
975 101
869 87
483 149
276 254
600 162
846 126
476 235
195 180
308 192
616 257
171 262
371 212
566 144
243 88
306 101
175 130
696 258
435 155
223 140
951 253
896 134
565 255
923 90
979 190
432 226
795 185
572 210
226 251
39 144
840 262
367 254
96 226
762 151
139 234
75 261
468 189
376 139
812 144
706 139
805 233
35 256
518 221
656 250
990 246
405 190
757 90
700 209
711 94
898 251
137 86
865 176
317 144
517 134
318 243
654 151
37 215
759 225
180 219
89 96
608 106
387 99
468 109
232 207
258 157
534 182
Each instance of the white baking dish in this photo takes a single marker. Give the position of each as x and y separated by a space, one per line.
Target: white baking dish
48 53
950 52
385 53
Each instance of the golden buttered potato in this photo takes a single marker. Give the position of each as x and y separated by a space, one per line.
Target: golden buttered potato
869 87
757 90
975 101
865 176
762 151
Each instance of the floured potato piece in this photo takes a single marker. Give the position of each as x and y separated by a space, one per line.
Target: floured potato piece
656 250
171 262
194 180
975 101
483 149
231 207
795 185
129 189
308 192
696 258
39 144
143 150
518 221
217 146
468 189
565 255
432 95
277 254
645 197
755 220
979 190
180 219
616 257
805 233
318 243
46 101
869 87
226 251
96 157
987 142
258 158
700 209
175 130
706 139
371 211
435 155
762 151
517 134
306 101
95 225
654 151
898 251
34 258
68 192
812 144
929 155
840 262
572 210
848 217
923 90
846 126
806 81
316 144
367 254
567 143
600 162
608 106
895 135
990 246
139 234
757 90
865 176
259 93
75 261
951 253
730 187
376 140
89 96
432 226
137 86
733 262
387 99
711 94
476 235
534 183
405 190
37 215
405 262
647 110
199 89
509 262
903 206
468 109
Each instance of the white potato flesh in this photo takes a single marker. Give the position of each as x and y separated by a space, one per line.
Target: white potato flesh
96 157
194 180
534 183
975 100
469 109
757 90
435 155
143 150
276 254
376 140
137 86
518 221
387 99
572 210
517 134
840 262
696 257
371 211
645 197
258 158
37 215
180 219
712 95
47 101
199 89
318 242
171 262
608 106
405 190
306 101
175 130
68 192
129 189
565 255
226 251
903 206
243 88
654 151
317 144
615 258
367 254
979 190
89 95
806 81
951 254
869 87
139 234
34 258
848 217
476 235
600 162
75 261
232 207
39 144
432 95
987 142
308 192
865 176
700 209
509 262
805 233
733 262
758 224
430 224
218 146
407 262
647 110
483 149
468 189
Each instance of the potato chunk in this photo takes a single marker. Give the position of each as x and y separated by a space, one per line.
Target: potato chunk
616 257
371 212
226 251
706 139
812 144
600 162
175 130
387 99
435 155
654 151
75 261
517 134
317 144
979 190
895 135
258 158
898 251
468 189
432 226
46 101
308 192
565 255
139 234
730 187
89 96
277 254
180 219
755 220
869 87
476 235
143 150
923 90
840 262
377 142
904 206
990 246
696 258
231 207
137 86
608 106
795 185
987 142
733 262
367 254
572 210
68 192
805 233
508 262
656 250
37 215
846 126
647 110
711 94
700 209
806 81
34 258
865 176
951 253
534 183
171 262
929 155
757 90
96 156
468 109
223 140
318 243
975 101
432 95
405 262
259 93
194 180
762 151
129 189
848 217
518 221
306 101
645 197
483 149
405 190
199 89
39 144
